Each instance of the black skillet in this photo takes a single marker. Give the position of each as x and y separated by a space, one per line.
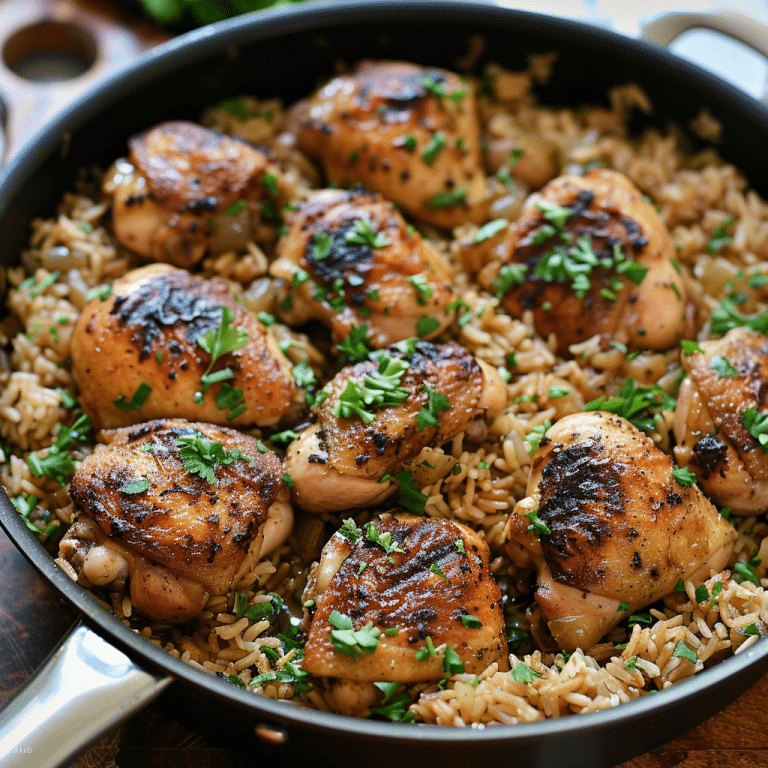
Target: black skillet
285 53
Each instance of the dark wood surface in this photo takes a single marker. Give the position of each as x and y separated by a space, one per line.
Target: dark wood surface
32 618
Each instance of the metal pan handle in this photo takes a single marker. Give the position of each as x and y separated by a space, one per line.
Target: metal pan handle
666 27
84 688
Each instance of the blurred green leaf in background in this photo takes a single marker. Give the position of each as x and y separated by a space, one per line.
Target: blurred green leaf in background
185 14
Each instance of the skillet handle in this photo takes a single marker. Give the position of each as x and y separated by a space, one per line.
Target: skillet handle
666 27
84 688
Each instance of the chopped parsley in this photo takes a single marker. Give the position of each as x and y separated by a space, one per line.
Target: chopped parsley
438 571
756 424
471 622
684 652
384 540
56 463
393 707
454 196
354 348
25 505
522 673
726 316
452 663
322 245
747 571
432 150
723 368
720 237
362 232
634 403
379 389
533 438
217 343
509 277
684 476
137 486
288 673
538 527
426 325
347 640
437 403
102 292
409 496
555 214
200 455
490 229
690 347
137 401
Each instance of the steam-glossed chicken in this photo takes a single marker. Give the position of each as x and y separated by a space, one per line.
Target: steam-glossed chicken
185 190
589 256
397 582
609 528
721 412
185 509
166 343
409 132
365 266
381 413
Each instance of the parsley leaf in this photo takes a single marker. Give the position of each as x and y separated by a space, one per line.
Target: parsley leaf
409 496
726 316
537 526
137 486
723 368
137 401
490 229
634 403
200 455
684 476
362 232
756 424
345 639
437 403
522 673
354 348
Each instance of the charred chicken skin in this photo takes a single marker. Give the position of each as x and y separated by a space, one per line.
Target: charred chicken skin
185 506
185 190
722 410
350 259
402 579
609 528
150 351
339 462
409 132
590 256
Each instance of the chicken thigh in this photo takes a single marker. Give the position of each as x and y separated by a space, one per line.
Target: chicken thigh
721 416
609 527
166 343
185 190
589 256
351 259
381 413
185 505
409 132
417 591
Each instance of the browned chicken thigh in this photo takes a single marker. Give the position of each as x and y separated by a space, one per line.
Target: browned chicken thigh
420 597
381 413
351 259
721 416
185 190
609 527
182 507
589 256
409 132
166 343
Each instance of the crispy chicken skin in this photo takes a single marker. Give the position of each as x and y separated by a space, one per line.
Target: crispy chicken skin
437 573
409 132
726 379
183 537
622 530
185 190
387 278
147 332
338 462
605 212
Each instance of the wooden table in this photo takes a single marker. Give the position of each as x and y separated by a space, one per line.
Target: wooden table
32 618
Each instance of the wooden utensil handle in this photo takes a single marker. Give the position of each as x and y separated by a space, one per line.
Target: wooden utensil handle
54 49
